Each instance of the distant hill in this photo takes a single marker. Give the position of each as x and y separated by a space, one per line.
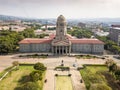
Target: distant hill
53 20
6 17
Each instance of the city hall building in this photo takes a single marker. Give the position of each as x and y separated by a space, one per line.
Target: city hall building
61 43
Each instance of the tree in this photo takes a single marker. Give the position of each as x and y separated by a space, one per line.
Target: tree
36 75
16 64
80 33
113 67
28 33
117 74
30 86
39 66
9 40
109 62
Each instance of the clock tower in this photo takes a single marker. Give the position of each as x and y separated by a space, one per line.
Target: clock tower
61 27
61 44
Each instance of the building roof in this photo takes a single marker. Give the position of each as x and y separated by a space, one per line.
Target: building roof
61 18
34 40
52 36
86 41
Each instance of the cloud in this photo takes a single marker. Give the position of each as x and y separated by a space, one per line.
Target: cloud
70 8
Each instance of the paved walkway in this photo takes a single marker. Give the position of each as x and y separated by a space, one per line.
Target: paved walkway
50 84
76 76
53 61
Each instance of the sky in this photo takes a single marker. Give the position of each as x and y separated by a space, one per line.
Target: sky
53 8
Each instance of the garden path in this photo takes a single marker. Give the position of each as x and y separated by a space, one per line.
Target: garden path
76 77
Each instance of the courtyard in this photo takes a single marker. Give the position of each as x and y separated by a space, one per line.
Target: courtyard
53 83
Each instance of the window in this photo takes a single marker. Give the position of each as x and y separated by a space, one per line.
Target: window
61 24
61 30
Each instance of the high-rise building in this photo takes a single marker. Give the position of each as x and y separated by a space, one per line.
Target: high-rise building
115 33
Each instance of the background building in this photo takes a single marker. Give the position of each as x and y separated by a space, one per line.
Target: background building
115 33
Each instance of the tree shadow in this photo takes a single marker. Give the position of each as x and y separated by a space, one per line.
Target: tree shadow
24 79
18 88
111 81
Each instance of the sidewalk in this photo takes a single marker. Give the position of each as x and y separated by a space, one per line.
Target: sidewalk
50 84
76 76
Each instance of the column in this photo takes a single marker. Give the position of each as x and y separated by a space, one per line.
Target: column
66 49
69 50
59 49
62 49
55 49
52 50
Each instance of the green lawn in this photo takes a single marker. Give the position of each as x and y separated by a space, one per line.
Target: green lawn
13 79
3 72
95 68
92 75
63 83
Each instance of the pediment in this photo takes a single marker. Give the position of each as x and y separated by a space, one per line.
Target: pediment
61 43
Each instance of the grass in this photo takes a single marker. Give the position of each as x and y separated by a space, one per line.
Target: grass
96 68
12 80
92 74
6 70
63 83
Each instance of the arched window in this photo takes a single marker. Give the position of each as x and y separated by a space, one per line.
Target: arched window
61 24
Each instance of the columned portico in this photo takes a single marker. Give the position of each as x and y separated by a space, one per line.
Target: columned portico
61 50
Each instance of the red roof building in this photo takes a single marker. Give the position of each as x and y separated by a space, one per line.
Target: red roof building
62 43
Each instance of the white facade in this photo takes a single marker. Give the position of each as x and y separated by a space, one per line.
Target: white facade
87 48
45 47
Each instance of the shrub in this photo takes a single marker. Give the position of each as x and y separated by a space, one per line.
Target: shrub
84 66
62 68
117 74
69 75
16 64
79 68
113 67
39 66
35 55
21 56
36 75
109 62
30 86
56 75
